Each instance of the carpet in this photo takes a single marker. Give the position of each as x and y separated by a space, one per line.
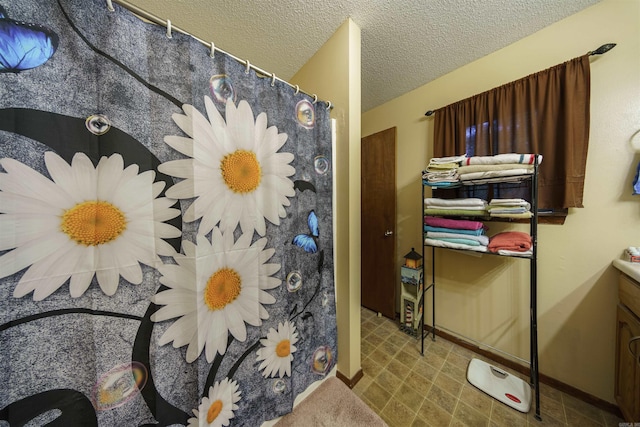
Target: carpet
332 404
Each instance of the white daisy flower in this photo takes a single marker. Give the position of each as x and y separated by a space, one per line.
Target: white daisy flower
235 171
214 290
277 350
82 222
217 408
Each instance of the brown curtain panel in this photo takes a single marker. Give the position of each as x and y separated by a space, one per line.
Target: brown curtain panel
545 113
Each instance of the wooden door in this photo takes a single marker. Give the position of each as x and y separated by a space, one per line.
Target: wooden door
378 220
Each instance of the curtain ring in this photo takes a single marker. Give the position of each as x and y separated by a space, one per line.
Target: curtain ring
213 50
273 79
169 36
329 106
315 98
297 90
246 71
110 7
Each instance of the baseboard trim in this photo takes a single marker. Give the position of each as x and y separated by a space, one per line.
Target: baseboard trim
558 385
350 382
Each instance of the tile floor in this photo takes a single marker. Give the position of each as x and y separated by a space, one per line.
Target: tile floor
408 389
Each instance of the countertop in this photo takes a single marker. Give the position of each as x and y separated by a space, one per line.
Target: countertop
631 269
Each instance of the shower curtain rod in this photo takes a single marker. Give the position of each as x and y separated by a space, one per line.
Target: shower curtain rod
167 23
599 51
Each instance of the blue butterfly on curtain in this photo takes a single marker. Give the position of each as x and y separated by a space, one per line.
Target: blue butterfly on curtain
24 46
309 242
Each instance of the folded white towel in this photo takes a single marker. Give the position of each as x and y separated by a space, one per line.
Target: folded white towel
484 240
450 159
516 253
508 202
491 167
502 158
443 244
495 174
469 202
500 179
507 210
449 175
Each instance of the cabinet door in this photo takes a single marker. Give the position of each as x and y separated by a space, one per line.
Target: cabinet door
627 388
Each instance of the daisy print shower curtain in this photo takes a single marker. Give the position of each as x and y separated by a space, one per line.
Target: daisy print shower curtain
165 227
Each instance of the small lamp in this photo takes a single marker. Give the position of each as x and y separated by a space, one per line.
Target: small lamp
413 259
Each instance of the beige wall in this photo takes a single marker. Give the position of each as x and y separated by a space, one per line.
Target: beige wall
333 73
488 300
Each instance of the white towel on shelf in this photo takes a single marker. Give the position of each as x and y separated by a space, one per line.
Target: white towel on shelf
501 180
495 174
483 168
450 159
517 253
483 240
507 210
455 203
443 244
510 202
502 158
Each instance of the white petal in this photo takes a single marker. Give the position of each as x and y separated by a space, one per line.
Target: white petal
240 126
177 277
85 177
25 255
108 281
17 203
107 170
235 324
163 248
180 332
166 231
269 269
176 297
173 310
42 274
182 190
131 273
19 229
181 144
22 180
182 168
80 283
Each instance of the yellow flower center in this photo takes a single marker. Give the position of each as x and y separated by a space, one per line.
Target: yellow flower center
222 288
214 411
283 349
241 171
93 223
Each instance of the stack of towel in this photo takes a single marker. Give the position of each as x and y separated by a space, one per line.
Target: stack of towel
442 172
498 168
455 233
453 207
509 208
511 243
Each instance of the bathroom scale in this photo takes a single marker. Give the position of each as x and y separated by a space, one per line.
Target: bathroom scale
500 385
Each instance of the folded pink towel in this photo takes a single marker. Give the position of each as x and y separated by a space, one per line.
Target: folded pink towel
511 241
462 224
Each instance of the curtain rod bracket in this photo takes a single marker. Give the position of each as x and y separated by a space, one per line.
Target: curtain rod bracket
429 113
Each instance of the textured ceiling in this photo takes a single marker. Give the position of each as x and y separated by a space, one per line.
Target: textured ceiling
405 43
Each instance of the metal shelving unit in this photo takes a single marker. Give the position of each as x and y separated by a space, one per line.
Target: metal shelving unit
532 182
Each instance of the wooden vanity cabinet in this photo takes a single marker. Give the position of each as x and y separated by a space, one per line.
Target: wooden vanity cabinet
627 384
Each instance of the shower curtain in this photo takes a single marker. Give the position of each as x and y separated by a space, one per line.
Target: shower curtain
165 227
